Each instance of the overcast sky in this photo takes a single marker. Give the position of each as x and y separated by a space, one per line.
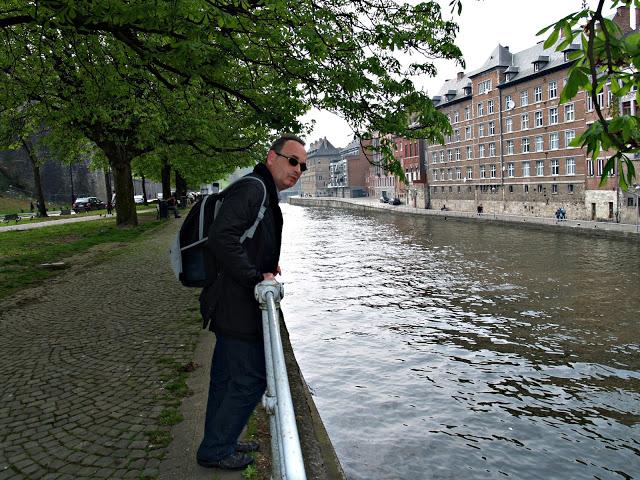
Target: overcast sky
483 25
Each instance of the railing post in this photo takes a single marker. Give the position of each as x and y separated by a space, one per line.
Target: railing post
285 444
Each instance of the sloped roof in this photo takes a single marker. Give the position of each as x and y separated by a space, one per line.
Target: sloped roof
500 57
322 148
525 59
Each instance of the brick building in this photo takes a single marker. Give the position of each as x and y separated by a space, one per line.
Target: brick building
348 174
315 181
510 148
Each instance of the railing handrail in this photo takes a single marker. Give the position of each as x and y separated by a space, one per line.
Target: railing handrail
287 459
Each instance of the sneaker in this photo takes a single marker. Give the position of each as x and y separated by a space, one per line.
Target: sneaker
235 461
247 446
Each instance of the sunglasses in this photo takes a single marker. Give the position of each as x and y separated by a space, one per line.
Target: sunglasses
294 162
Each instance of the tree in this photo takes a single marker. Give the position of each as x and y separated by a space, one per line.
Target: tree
608 56
251 66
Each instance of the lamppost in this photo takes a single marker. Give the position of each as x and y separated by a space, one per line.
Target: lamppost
73 197
637 195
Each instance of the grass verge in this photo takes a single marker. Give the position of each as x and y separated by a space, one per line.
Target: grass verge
22 252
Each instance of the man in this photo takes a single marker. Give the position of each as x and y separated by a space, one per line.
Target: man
238 377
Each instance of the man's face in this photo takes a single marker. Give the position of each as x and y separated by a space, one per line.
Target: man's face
284 174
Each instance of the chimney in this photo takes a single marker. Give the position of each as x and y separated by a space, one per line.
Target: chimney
460 75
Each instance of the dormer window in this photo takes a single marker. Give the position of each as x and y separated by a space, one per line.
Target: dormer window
540 63
450 95
511 72
467 90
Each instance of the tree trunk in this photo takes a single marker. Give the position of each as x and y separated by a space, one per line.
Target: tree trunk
181 185
42 209
120 162
107 183
166 179
144 191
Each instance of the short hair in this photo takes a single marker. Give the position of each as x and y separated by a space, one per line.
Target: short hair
279 143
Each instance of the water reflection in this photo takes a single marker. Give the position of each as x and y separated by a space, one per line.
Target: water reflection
439 349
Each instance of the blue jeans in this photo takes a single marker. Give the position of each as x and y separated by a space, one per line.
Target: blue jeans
238 380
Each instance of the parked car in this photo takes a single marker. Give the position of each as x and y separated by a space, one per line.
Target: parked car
396 201
86 204
384 199
139 199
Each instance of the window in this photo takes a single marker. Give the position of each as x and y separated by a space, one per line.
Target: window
526 169
539 143
469 153
467 133
493 171
507 101
469 172
539 168
457 154
480 109
570 166
442 177
467 113
570 188
524 121
481 151
489 106
456 116
442 156
538 118
553 89
524 98
554 188
492 128
434 157
601 99
435 174
569 113
492 149
553 116
525 145
481 130
537 94
510 169
609 97
509 124
555 167
540 188
484 87
456 133
600 166
450 155
569 135
526 189
590 167
458 173
482 172
554 144
510 149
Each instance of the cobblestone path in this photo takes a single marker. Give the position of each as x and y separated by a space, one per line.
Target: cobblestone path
83 362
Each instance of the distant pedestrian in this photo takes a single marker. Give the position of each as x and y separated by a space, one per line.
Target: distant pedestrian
109 208
31 206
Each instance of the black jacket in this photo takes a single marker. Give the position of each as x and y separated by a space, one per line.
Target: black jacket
229 303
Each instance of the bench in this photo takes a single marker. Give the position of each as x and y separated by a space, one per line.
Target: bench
11 216
64 211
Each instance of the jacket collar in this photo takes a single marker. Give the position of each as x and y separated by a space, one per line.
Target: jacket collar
261 170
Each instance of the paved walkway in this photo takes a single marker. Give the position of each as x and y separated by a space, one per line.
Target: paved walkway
84 361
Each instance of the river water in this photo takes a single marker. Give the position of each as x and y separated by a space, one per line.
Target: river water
451 350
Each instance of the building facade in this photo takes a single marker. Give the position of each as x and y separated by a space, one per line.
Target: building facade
315 181
348 174
510 150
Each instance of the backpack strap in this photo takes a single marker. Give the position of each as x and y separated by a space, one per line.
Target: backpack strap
263 208
201 220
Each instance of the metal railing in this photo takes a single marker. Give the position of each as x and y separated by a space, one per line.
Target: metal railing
286 453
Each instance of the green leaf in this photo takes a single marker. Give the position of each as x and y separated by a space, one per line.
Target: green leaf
552 38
